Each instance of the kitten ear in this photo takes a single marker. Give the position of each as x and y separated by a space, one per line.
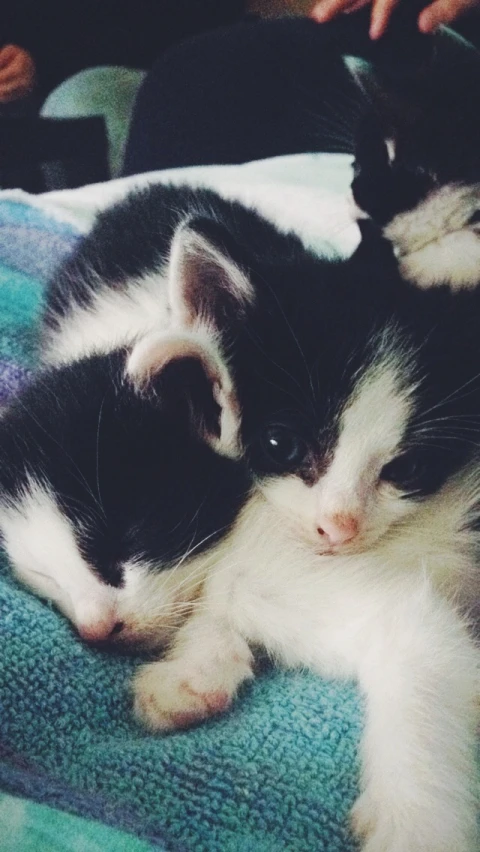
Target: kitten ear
207 284
188 367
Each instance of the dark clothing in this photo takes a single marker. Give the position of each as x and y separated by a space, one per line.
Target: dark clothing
66 36
243 93
251 91
268 88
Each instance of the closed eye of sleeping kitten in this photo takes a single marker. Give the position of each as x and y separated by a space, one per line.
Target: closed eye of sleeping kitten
110 496
417 161
123 287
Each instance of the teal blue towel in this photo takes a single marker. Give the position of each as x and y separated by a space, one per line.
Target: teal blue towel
278 772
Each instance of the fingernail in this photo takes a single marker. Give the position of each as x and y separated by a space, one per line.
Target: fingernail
320 17
424 25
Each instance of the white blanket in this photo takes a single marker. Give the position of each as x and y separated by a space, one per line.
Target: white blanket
306 193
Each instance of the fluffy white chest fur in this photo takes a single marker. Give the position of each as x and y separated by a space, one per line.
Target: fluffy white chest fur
385 618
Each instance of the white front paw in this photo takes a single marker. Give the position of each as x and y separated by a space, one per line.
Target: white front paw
363 817
171 695
375 827
410 826
379 830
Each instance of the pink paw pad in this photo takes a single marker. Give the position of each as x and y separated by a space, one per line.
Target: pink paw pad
217 702
211 704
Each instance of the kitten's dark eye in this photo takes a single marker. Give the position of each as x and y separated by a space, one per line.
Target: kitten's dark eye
474 218
404 471
284 447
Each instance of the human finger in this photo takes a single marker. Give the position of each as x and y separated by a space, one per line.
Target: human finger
381 14
13 92
18 79
442 12
13 71
7 54
21 65
327 9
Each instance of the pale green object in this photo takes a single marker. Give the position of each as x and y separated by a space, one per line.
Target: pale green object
28 827
108 91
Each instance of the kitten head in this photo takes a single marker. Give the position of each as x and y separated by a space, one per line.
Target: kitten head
380 414
417 162
111 498
349 385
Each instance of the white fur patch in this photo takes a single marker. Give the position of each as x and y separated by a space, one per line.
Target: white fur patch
114 318
41 545
42 548
435 243
152 604
348 502
377 617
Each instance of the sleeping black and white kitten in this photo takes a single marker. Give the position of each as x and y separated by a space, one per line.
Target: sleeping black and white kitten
417 161
355 399
110 497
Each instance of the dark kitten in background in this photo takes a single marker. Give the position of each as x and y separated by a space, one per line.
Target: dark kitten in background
417 157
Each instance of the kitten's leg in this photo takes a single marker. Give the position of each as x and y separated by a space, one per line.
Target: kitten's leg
199 677
420 677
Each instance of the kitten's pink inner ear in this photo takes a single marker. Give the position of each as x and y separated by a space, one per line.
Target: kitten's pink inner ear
154 353
206 286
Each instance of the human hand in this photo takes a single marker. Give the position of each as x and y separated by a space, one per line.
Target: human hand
443 12
438 12
17 73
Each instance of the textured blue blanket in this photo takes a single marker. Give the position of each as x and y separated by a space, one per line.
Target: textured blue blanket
279 772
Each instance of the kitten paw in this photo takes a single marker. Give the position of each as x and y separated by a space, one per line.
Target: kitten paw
377 828
392 828
363 817
169 696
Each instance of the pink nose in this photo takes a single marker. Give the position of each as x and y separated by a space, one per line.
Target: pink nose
338 529
98 631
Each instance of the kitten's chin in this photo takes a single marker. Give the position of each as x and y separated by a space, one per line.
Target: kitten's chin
351 549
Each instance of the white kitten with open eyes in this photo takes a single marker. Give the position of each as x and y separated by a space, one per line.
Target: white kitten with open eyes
358 555
377 617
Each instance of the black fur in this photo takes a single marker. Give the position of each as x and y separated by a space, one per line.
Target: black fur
429 106
315 327
134 237
126 468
